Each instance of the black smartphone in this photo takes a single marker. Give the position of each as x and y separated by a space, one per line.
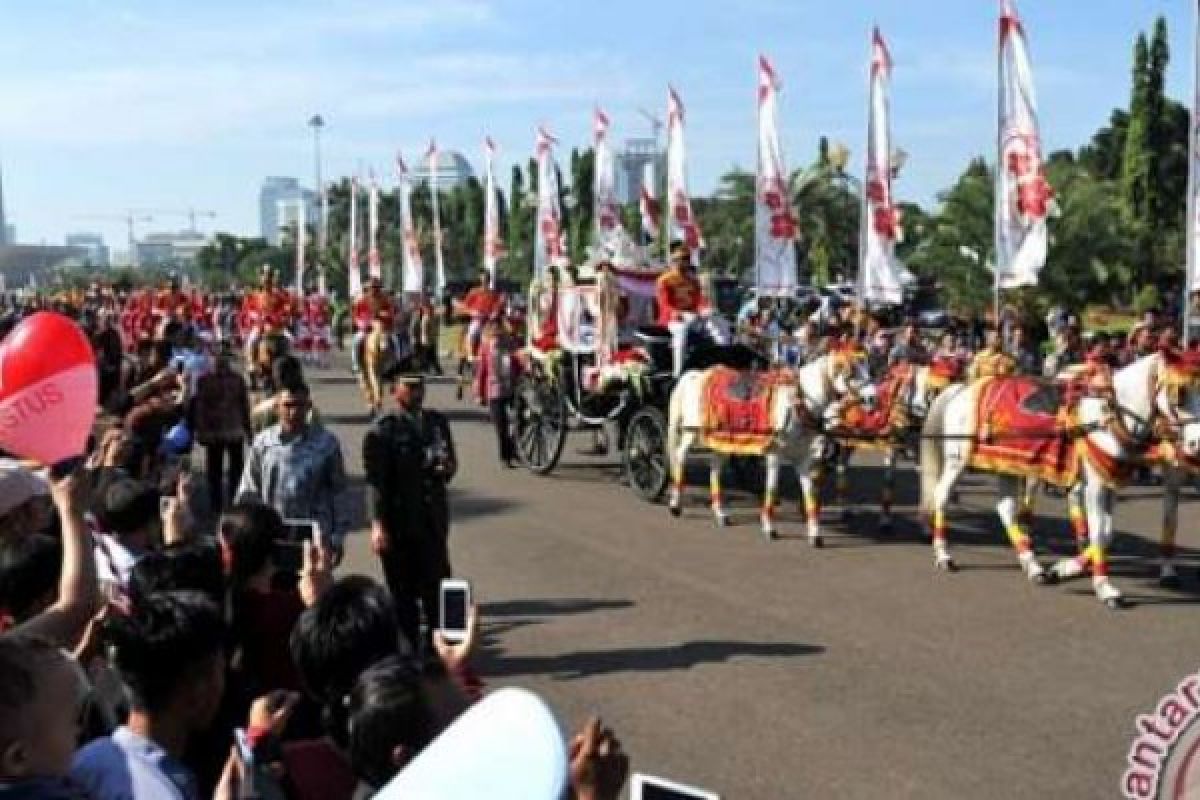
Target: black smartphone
288 553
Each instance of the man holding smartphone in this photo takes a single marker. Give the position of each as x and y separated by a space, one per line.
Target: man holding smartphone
408 458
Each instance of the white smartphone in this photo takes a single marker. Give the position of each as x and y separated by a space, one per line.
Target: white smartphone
455 601
648 787
244 750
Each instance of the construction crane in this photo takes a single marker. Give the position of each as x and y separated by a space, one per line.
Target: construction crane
656 124
190 213
129 218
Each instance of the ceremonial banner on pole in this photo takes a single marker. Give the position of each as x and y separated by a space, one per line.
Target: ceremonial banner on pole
649 207
1193 202
774 222
412 270
548 242
374 263
323 241
1023 197
881 277
301 244
493 245
606 212
681 225
354 277
431 158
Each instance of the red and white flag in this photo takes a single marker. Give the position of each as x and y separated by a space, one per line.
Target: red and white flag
374 262
680 221
412 271
301 244
881 278
649 207
606 212
493 245
548 246
1193 199
323 241
1023 197
774 223
431 158
353 275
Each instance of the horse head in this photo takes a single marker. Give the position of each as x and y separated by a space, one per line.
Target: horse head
1177 398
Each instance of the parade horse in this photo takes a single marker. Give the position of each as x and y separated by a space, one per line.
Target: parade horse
797 409
892 427
378 352
1101 436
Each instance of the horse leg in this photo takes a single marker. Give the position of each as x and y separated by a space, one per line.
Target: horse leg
1168 578
1100 523
886 493
714 490
1076 566
951 470
769 495
810 496
842 483
678 460
1010 516
1029 487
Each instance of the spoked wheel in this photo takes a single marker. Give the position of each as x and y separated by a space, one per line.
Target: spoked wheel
645 454
541 424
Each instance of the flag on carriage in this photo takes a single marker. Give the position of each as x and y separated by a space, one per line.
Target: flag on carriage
680 221
493 245
606 212
412 269
774 223
431 158
881 276
374 262
548 244
1023 197
354 276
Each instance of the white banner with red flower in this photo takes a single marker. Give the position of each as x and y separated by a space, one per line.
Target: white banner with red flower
606 212
1023 197
493 245
881 277
774 222
680 221
548 246
412 270
353 275
374 261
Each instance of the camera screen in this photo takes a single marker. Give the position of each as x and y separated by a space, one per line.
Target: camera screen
454 617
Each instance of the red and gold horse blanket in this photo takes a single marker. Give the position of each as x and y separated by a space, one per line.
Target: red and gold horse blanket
1023 429
737 409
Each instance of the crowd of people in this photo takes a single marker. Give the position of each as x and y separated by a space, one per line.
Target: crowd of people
159 640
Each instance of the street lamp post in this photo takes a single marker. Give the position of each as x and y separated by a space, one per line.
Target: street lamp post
316 122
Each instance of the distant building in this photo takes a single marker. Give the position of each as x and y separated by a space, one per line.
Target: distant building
288 211
95 251
276 191
453 170
169 249
9 234
631 165
19 263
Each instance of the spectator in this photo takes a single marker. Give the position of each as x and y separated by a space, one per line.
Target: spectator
495 383
296 468
41 703
170 653
1026 357
222 424
129 521
908 348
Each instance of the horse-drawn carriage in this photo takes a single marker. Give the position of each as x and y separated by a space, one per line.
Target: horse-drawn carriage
606 367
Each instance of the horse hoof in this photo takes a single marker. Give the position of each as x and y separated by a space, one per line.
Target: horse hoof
816 541
1115 603
722 521
1041 579
676 511
1170 582
770 535
946 565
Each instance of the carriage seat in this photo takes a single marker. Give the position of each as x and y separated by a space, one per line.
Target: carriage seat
655 340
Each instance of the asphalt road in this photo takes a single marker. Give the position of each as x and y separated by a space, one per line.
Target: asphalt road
772 670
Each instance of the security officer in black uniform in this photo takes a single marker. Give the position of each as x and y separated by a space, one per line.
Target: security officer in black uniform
408 458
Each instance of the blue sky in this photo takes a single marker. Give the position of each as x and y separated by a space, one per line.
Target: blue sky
111 104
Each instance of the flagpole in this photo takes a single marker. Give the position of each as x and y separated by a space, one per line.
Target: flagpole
997 184
1190 228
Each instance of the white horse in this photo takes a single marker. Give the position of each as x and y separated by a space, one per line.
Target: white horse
1116 430
803 406
904 408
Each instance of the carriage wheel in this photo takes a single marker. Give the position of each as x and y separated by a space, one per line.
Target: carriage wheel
540 424
645 454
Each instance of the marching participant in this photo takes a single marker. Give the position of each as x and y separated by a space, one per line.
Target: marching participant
373 305
682 306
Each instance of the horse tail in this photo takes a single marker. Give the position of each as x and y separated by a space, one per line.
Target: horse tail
932 445
675 422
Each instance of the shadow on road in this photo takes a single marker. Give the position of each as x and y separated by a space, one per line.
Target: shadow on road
465 414
588 663
467 505
551 607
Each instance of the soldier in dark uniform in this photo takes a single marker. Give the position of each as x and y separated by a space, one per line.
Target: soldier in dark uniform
408 458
